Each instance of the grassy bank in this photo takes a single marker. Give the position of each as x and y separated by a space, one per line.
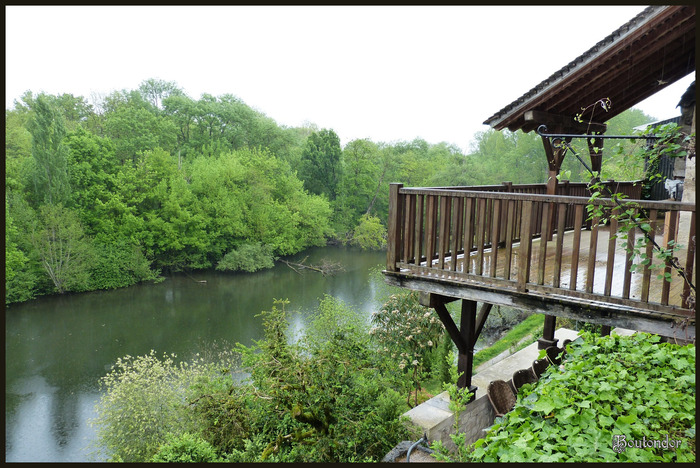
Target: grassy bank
530 326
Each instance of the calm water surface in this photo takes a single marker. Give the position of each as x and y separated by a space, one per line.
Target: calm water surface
57 348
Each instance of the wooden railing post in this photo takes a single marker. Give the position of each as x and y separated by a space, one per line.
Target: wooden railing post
690 257
393 250
670 231
525 247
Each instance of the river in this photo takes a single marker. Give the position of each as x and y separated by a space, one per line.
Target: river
57 348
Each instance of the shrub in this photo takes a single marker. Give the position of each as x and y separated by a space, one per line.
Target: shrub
406 332
118 265
247 257
319 399
335 317
369 233
185 448
143 402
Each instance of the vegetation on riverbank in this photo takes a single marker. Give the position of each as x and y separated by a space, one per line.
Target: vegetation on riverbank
106 194
333 395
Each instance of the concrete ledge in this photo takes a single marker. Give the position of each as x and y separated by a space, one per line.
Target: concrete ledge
435 419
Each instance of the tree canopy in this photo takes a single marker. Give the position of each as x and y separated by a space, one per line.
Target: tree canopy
151 179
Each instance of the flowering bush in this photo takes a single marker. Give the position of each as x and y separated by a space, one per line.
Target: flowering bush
406 332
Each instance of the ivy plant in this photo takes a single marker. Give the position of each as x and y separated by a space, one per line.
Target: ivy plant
608 388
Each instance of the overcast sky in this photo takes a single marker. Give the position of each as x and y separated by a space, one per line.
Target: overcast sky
384 73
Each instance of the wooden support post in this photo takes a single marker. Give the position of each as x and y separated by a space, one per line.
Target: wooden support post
393 251
463 337
605 330
450 325
555 157
547 340
465 360
481 319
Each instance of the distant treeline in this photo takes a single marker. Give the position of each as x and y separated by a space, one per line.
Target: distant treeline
108 194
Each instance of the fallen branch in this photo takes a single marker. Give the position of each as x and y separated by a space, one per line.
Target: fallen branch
196 281
326 267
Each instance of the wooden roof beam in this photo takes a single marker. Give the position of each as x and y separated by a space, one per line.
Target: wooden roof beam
559 123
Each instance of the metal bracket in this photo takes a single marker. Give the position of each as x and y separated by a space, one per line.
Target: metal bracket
558 136
543 128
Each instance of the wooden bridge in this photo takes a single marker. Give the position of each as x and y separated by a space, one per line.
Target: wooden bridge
516 246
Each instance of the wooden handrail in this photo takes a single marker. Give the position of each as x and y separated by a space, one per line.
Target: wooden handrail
488 237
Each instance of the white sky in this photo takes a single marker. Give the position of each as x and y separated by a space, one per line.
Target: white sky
385 73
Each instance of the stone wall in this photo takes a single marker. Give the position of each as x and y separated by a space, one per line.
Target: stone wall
435 419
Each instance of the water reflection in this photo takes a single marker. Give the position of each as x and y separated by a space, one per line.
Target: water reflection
57 348
47 425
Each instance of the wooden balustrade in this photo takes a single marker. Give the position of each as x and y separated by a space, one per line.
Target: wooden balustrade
494 239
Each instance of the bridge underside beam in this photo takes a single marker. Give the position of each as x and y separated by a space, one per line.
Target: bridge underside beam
600 313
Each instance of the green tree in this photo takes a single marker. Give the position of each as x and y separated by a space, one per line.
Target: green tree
451 167
92 178
135 126
65 252
247 257
50 172
18 150
186 448
369 234
620 160
510 157
358 182
318 399
322 400
156 91
160 214
142 407
320 162
19 279
250 196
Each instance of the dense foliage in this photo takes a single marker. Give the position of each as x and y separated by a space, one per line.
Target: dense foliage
409 334
151 180
608 390
321 398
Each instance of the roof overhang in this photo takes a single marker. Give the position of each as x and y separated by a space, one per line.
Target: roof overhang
653 50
